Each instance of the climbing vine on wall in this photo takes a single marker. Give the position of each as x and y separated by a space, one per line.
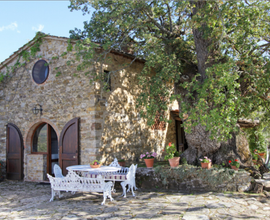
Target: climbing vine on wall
24 57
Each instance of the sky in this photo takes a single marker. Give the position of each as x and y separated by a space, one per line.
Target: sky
20 20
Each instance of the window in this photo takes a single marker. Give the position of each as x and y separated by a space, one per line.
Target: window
107 80
40 139
40 71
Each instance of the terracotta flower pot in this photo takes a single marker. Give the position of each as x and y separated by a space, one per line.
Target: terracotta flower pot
122 164
174 162
262 154
149 162
206 165
234 167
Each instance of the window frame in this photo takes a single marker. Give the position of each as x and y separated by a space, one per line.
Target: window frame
48 68
106 76
33 152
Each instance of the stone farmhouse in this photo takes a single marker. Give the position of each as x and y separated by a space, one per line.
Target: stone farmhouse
46 119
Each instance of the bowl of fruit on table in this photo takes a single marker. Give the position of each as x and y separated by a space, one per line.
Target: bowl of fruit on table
95 164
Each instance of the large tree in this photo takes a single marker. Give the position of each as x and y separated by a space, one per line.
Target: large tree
210 56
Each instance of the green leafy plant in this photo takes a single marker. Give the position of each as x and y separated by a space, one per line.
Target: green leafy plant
121 160
254 156
171 151
256 140
184 160
234 163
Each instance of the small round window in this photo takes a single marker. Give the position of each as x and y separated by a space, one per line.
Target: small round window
40 71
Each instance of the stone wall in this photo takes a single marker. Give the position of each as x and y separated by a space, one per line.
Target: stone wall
62 98
106 132
36 167
190 178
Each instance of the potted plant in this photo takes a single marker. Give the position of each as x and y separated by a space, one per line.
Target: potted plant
205 163
172 155
234 164
95 164
260 152
122 162
149 159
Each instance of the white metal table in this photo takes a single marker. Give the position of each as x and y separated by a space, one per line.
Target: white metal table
86 169
109 173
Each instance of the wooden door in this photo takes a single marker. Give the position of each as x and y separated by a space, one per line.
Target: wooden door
14 148
69 145
180 137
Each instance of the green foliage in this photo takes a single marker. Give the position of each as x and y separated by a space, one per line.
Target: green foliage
184 161
171 151
210 56
254 156
257 140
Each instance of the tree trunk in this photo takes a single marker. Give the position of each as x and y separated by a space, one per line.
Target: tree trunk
200 145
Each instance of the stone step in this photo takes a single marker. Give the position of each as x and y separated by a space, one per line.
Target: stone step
266 176
265 182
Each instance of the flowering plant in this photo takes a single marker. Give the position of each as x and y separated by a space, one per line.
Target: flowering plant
171 151
234 163
205 160
148 155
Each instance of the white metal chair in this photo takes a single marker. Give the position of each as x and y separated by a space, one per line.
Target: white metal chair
57 171
130 180
133 180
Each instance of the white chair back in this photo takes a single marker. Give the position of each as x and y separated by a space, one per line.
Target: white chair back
57 171
114 163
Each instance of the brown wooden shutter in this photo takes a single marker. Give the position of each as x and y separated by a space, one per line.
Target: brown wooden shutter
69 145
14 148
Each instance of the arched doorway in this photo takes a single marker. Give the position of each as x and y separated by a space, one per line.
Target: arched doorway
45 141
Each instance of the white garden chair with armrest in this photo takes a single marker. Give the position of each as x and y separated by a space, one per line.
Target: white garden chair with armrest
133 180
121 175
58 174
130 180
